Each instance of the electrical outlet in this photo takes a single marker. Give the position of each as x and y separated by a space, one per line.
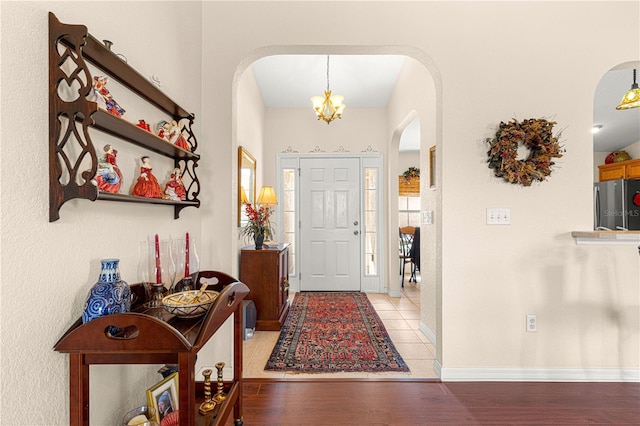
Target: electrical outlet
532 323
498 216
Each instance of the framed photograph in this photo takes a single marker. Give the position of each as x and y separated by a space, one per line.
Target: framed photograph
432 167
164 397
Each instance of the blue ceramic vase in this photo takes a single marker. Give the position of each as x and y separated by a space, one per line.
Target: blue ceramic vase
110 295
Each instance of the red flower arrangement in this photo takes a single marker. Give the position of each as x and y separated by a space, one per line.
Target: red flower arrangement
258 223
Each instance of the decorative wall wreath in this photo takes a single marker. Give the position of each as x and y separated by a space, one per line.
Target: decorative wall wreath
537 135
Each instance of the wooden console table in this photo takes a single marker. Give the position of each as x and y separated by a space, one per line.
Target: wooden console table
153 336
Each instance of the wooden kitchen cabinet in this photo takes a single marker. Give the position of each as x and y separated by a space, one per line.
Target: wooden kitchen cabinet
410 188
266 273
629 169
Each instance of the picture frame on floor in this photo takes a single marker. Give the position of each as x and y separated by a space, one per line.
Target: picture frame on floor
163 397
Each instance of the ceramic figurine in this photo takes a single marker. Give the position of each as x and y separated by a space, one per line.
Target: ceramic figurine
163 128
103 98
147 184
108 177
175 136
174 189
144 125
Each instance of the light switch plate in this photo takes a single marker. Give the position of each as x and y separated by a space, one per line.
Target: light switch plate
498 216
427 217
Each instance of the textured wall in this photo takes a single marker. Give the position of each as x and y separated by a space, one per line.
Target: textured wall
586 297
490 68
48 268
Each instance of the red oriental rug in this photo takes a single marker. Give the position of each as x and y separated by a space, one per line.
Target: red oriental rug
334 332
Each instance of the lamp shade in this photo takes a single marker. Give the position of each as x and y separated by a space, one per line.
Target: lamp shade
267 196
317 102
243 196
631 99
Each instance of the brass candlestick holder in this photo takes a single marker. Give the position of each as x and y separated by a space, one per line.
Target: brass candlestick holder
208 405
220 396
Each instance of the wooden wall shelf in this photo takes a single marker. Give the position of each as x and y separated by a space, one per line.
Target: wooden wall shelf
73 160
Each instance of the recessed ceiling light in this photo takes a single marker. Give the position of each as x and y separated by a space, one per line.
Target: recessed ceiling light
596 128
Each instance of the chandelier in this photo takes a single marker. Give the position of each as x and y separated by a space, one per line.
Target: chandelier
631 99
328 107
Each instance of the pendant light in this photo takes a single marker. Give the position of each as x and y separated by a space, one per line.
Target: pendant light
631 99
328 107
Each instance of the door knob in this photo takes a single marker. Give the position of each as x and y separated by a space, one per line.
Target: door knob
355 223
355 232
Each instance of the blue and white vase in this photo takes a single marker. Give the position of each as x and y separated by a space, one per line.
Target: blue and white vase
110 295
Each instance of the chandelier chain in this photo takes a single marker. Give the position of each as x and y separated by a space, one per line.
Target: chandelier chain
327 73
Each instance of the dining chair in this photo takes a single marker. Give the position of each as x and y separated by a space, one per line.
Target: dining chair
406 235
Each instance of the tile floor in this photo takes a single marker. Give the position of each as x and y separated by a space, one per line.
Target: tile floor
400 316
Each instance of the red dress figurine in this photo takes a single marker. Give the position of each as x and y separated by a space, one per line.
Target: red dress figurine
147 184
163 129
108 177
174 189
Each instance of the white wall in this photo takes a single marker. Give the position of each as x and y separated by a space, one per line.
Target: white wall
416 93
633 150
586 297
491 277
407 159
48 268
298 129
250 135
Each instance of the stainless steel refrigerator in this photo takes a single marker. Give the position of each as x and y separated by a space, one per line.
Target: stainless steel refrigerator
617 204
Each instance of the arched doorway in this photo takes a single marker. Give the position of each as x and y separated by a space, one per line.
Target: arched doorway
429 103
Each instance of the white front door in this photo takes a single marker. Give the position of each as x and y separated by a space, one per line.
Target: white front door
330 224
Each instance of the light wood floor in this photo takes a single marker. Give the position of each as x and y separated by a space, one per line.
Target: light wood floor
367 402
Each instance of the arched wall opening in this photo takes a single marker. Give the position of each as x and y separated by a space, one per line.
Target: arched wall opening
399 115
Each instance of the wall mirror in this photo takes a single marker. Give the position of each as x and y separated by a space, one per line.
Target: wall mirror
432 167
246 183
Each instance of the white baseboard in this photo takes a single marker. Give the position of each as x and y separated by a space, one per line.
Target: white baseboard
431 335
437 368
394 293
448 374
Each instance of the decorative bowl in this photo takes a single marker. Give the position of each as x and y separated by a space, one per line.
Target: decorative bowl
187 304
141 416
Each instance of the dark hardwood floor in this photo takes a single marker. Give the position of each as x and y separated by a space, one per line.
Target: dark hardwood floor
398 402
